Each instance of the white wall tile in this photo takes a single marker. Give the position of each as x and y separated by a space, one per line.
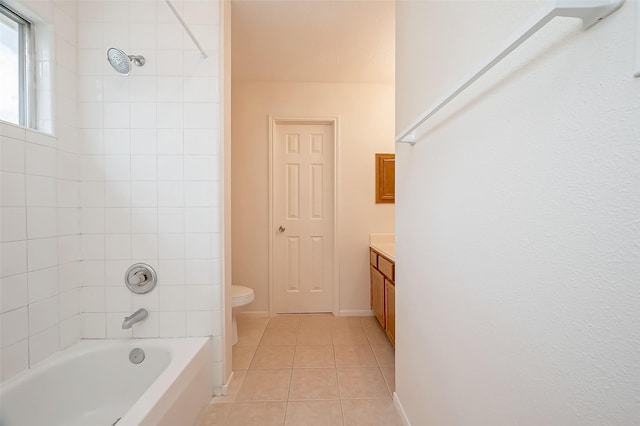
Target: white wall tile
201 89
143 89
117 141
118 220
116 89
90 88
173 324
12 186
201 167
150 327
114 272
143 115
89 11
14 359
93 325
41 191
171 194
68 166
149 301
70 331
199 323
93 299
92 220
201 13
42 222
171 246
42 253
15 326
202 271
170 141
92 113
144 220
197 66
117 246
170 167
144 246
143 141
70 275
116 115
69 248
200 219
170 115
116 11
143 11
14 258
13 226
70 303
199 246
201 194
41 138
119 299
90 35
13 292
170 89
43 345
43 284
170 37
42 315
199 297
205 115
12 155
172 272
92 168
171 220
93 247
144 194
117 34
12 131
143 36
117 194
68 193
144 168
117 167
41 160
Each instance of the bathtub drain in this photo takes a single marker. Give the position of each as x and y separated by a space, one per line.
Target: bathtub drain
136 356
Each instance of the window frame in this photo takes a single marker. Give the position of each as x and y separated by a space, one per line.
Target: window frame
26 63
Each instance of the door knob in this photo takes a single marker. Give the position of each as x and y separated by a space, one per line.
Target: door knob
281 228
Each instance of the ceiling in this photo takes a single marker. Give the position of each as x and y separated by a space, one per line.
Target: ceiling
313 40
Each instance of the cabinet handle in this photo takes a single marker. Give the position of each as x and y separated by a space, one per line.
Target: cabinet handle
281 228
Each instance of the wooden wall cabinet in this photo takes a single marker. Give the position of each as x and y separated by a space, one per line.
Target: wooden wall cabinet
383 293
385 178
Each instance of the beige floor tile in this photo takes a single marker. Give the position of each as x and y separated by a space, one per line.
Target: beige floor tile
284 321
314 383
242 356
257 413
252 322
234 388
314 413
349 336
389 373
270 357
315 337
369 322
215 415
314 357
347 322
250 336
265 385
354 356
279 337
317 321
376 336
368 412
385 354
362 383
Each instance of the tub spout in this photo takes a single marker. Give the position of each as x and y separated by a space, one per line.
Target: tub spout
135 317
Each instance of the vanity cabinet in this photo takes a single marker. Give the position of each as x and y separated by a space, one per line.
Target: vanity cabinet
383 292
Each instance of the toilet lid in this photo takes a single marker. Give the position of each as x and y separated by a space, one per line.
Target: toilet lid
241 295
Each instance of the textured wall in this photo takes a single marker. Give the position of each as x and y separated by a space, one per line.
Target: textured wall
517 220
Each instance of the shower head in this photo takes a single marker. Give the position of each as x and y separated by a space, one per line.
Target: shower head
120 60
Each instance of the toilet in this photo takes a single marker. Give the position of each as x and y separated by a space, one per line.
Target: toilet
240 296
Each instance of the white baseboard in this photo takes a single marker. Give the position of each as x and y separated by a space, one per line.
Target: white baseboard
400 410
253 314
225 387
356 313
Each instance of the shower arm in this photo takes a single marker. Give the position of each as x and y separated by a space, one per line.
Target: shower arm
187 28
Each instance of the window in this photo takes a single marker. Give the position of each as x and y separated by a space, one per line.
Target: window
16 69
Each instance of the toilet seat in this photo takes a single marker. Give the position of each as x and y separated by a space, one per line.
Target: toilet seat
241 295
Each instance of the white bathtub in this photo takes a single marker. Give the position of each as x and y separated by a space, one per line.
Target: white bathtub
94 383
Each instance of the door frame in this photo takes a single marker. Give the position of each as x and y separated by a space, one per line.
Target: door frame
273 123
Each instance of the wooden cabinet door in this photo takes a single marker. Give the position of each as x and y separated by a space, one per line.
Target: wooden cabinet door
377 295
390 310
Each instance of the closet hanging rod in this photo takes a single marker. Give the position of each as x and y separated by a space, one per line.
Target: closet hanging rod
187 29
590 11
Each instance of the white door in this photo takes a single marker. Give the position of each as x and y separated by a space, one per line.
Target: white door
303 213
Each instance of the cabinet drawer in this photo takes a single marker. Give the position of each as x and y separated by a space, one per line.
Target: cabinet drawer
374 258
386 267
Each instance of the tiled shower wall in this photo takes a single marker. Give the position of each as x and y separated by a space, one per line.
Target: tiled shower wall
40 206
150 168
138 182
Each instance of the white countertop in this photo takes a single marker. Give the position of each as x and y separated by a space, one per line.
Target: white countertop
384 244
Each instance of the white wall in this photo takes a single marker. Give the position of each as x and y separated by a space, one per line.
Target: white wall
517 232
365 114
151 175
40 216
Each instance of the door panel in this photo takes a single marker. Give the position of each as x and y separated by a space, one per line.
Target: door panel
303 212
